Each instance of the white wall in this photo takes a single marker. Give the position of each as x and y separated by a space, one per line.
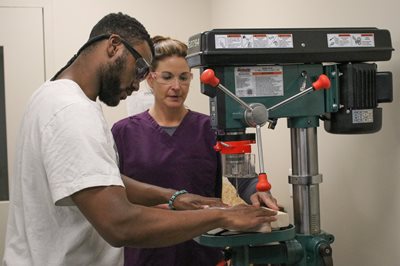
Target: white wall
360 203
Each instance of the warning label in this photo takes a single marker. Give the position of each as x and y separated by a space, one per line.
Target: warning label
248 41
362 116
259 81
351 40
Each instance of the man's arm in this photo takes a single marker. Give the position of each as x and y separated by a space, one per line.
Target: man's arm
122 223
149 195
145 194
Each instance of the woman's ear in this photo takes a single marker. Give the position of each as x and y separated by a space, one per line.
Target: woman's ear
150 81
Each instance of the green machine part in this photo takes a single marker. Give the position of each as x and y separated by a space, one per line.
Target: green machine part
282 246
303 112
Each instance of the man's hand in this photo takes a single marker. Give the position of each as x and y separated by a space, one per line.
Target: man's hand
264 199
190 201
247 217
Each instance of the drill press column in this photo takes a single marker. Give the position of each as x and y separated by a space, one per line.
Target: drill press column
305 180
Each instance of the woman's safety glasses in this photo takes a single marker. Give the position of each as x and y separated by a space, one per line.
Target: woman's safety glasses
167 78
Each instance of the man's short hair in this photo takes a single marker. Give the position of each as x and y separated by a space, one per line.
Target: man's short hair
125 26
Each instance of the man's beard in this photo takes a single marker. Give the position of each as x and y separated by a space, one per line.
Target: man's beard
110 86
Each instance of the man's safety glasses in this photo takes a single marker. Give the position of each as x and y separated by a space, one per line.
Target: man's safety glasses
167 78
142 66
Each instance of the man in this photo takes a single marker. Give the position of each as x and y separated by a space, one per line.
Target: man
69 204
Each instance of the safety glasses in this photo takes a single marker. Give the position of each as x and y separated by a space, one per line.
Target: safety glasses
142 66
167 78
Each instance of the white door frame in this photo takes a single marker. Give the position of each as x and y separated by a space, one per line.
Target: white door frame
47 7
48 64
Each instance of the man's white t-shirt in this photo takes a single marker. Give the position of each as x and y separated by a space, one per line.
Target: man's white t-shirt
65 145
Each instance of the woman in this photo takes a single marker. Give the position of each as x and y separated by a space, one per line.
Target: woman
175 143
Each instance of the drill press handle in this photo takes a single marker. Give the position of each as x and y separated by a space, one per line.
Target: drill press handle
208 77
323 82
257 114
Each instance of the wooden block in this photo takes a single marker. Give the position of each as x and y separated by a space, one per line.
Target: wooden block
282 221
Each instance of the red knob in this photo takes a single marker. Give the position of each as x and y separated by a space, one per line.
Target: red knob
218 146
208 77
322 82
263 184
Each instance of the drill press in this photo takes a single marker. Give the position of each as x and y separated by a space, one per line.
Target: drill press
256 76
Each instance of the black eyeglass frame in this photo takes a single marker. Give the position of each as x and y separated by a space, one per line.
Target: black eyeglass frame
142 68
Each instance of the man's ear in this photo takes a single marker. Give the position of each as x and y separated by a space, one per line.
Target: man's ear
114 44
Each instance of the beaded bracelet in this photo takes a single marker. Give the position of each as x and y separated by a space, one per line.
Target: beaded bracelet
173 197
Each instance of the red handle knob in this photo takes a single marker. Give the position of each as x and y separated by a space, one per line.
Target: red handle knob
322 82
263 184
208 77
